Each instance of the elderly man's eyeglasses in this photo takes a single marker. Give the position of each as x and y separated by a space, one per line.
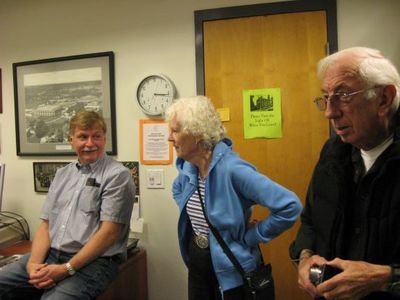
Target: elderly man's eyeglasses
338 98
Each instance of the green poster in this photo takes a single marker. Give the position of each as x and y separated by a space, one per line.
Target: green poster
262 116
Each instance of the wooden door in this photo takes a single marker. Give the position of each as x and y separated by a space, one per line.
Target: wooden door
267 52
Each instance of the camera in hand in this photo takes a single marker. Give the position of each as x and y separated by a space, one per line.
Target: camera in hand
319 274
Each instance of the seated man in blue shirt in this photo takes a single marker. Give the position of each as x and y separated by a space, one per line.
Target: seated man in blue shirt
85 224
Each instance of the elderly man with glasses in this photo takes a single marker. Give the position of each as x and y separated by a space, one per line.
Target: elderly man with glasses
348 245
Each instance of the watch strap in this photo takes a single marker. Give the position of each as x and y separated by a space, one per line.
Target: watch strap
394 286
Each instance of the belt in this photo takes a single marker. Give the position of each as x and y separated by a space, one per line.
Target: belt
201 240
117 258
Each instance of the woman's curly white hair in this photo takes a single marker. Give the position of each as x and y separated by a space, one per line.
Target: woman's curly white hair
197 116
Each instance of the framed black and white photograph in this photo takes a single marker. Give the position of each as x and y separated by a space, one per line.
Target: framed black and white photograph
43 174
133 167
49 92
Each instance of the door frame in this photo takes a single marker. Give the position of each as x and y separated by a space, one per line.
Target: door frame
201 16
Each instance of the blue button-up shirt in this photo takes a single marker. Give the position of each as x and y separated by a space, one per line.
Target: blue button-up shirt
81 196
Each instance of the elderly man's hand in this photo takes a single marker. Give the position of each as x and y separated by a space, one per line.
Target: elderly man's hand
357 280
304 273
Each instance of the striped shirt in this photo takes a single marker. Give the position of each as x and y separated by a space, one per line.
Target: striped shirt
195 212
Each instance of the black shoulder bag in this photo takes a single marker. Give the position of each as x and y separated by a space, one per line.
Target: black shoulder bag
259 284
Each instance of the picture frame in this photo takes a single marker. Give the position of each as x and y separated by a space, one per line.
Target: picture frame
155 149
48 92
133 167
43 174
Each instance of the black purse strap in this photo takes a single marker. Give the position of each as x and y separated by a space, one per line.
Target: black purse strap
220 240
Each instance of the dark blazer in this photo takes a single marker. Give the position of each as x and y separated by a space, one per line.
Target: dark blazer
332 191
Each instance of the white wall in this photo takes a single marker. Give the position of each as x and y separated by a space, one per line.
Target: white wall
146 36
370 23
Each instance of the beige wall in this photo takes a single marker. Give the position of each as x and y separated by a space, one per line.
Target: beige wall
146 36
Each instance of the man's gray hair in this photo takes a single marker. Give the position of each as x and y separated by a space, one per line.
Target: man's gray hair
370 65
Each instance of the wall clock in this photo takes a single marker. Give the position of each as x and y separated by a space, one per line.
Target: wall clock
155 93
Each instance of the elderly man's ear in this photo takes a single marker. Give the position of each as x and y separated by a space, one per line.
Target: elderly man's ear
388 95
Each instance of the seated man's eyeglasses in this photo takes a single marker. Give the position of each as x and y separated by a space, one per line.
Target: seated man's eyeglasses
338 98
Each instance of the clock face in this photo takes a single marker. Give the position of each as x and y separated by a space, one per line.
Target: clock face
154 94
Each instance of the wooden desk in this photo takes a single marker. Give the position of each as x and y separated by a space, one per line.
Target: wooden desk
20 247
130 283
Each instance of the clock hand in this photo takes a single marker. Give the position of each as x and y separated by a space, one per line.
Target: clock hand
158 94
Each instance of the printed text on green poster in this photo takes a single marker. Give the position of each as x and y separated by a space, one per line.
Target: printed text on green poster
262 117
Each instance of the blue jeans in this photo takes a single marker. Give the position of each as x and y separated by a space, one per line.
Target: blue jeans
87 283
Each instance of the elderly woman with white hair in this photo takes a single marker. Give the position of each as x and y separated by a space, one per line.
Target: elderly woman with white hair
215 182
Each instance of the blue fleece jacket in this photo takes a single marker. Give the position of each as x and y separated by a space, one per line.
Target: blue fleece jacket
232 187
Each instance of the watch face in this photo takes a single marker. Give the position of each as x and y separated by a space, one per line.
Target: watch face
154 94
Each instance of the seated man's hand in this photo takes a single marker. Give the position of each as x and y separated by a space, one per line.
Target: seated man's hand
34 267
304 274
47 276
38 275
357 280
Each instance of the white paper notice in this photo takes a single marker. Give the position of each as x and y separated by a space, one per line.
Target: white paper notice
137 225
136 209
155 141
136 222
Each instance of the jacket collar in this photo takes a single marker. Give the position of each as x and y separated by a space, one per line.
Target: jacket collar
190 170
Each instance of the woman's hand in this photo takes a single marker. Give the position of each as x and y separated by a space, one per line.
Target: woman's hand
252 223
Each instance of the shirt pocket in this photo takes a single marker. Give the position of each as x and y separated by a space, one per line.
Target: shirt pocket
89 202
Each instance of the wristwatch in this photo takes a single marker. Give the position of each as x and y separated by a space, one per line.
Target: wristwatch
70 269
394 285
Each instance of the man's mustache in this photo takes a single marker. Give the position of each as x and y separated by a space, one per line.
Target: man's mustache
87 149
